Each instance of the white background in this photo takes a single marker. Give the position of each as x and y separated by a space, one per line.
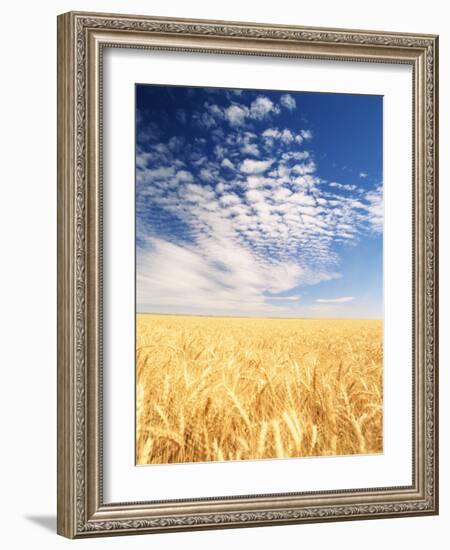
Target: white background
123 482
28 297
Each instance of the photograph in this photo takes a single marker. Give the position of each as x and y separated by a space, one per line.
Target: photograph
259 274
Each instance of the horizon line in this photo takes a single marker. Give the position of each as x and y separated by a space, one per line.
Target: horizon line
260 317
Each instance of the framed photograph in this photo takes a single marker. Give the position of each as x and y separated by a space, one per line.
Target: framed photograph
247 274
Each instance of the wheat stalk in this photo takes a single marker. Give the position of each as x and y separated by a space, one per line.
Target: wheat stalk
237 389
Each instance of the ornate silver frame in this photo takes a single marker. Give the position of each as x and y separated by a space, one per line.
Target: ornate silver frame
81 39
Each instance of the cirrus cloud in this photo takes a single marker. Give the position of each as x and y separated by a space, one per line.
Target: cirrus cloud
342 300
250 166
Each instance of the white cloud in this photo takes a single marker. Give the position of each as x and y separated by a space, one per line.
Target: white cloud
195 192
285 298
302 198
176 143
261 107
363 175
236 114
161 172
288 101
296 155
204 120
183 176
216 275
250 166
343 186
254 182
271 133
142 159
342 300
219 151
162 176
250 149
207 174
255 196
198 159
226 163
305 168
221 187
376 209
282 194
229 199
287 136
214 110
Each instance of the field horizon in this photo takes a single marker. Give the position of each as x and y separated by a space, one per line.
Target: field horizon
287 318
217 388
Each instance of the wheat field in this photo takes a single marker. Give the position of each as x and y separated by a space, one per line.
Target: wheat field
217 388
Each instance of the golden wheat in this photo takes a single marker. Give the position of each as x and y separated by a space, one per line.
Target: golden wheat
211 388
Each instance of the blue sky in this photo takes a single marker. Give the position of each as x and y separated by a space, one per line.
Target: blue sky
258 203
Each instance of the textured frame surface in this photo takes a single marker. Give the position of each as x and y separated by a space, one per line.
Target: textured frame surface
81 38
